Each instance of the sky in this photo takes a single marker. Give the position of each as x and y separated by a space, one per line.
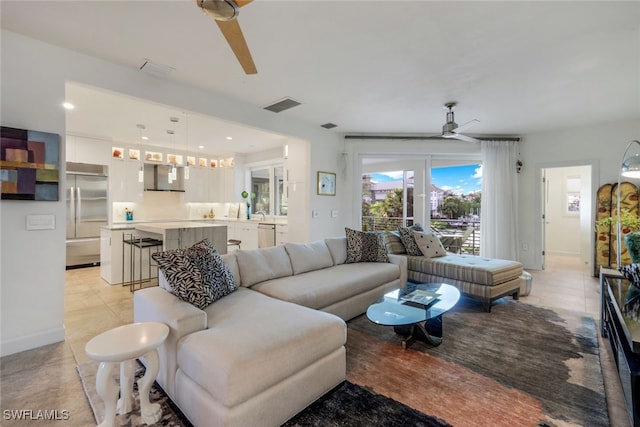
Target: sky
459 179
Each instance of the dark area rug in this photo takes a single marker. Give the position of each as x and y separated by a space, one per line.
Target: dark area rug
350 405
347 405
518 365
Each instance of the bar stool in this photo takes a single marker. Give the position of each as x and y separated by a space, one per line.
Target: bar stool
138 242
234 242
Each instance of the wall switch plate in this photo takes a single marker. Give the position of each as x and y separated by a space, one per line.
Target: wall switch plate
334 213
525 246
315 214
41 222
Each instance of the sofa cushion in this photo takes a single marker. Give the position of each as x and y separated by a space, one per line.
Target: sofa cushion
283 339
308 256
338 249
321 288
197 274
258 265
393 243
365 246
467 268
429 244
232 262
408 240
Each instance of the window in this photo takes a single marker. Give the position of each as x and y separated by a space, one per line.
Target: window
268 190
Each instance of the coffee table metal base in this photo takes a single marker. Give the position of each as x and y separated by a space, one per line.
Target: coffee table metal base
430 331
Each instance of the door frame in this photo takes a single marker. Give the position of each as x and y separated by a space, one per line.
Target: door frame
539 203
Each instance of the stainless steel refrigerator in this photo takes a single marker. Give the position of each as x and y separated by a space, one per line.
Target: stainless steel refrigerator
86 212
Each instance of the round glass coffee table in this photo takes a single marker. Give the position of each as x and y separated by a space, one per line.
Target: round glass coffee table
415 320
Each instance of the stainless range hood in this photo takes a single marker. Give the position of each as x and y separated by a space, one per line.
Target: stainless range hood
156 178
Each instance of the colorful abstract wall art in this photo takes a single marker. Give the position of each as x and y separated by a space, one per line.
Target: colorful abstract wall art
29 164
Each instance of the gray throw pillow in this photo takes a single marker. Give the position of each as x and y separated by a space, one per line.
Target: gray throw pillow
197 275
393 243
365 246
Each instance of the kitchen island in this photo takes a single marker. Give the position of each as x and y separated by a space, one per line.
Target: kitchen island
115 256
182 234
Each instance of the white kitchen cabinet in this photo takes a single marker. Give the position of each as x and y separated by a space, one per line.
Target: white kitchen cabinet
245 231
282 234
87 150
202 185
124 184
227 185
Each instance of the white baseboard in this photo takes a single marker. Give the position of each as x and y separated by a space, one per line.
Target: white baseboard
28 342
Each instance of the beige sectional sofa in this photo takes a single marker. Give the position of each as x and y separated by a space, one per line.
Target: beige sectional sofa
263 353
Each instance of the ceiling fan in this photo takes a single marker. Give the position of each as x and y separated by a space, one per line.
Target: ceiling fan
225 12
451 130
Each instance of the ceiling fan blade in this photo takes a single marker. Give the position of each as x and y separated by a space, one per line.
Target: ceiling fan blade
241 3
232 32
465 138
466 125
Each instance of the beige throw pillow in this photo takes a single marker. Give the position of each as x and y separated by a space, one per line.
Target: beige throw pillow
429 244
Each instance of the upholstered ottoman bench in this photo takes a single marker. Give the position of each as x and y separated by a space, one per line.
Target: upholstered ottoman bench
486 279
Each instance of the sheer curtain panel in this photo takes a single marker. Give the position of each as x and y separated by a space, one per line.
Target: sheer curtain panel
498 238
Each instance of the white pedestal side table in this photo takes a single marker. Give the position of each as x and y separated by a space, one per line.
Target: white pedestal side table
124 345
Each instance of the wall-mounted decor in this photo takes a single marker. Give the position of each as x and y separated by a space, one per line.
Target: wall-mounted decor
326 183
174 159
134 154
117 152
202 162
191 161
29 164
573 203
153 156
213 163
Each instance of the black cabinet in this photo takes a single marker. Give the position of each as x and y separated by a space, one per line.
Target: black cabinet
620 311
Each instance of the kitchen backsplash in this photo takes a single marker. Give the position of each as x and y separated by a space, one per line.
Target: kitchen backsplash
163 206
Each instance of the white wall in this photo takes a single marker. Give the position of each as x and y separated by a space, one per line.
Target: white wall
33 76
600 145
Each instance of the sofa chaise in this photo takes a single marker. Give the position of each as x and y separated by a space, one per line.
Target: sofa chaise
264 352
486 279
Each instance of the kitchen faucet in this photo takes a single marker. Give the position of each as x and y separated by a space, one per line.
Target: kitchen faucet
263 213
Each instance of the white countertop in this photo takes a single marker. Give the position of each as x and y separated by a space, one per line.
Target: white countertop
161 227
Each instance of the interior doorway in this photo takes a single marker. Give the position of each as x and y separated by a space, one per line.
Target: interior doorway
567 212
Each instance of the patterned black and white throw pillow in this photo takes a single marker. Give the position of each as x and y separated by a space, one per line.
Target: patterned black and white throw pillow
631 273
365 246
197 275
409 241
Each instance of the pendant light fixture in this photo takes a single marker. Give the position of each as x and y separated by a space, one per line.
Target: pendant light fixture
141 128
170 176
186 166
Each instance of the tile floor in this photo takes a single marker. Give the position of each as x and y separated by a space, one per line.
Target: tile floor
46 378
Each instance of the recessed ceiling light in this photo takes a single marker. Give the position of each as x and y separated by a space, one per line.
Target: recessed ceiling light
146 138
229 138
201 146
68 106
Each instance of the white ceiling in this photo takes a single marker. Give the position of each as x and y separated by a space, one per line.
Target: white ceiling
374 66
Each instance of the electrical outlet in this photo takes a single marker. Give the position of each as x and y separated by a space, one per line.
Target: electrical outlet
315 214
334 213
525 246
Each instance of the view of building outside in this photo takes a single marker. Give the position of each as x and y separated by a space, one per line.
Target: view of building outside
455 201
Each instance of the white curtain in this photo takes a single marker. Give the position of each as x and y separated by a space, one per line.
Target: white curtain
498 231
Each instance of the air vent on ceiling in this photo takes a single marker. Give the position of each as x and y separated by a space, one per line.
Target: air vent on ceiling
329 125
283 104
156 69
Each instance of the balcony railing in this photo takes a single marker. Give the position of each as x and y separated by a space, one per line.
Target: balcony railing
443 226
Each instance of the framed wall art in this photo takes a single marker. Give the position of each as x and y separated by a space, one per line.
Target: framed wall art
326 183
29 165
